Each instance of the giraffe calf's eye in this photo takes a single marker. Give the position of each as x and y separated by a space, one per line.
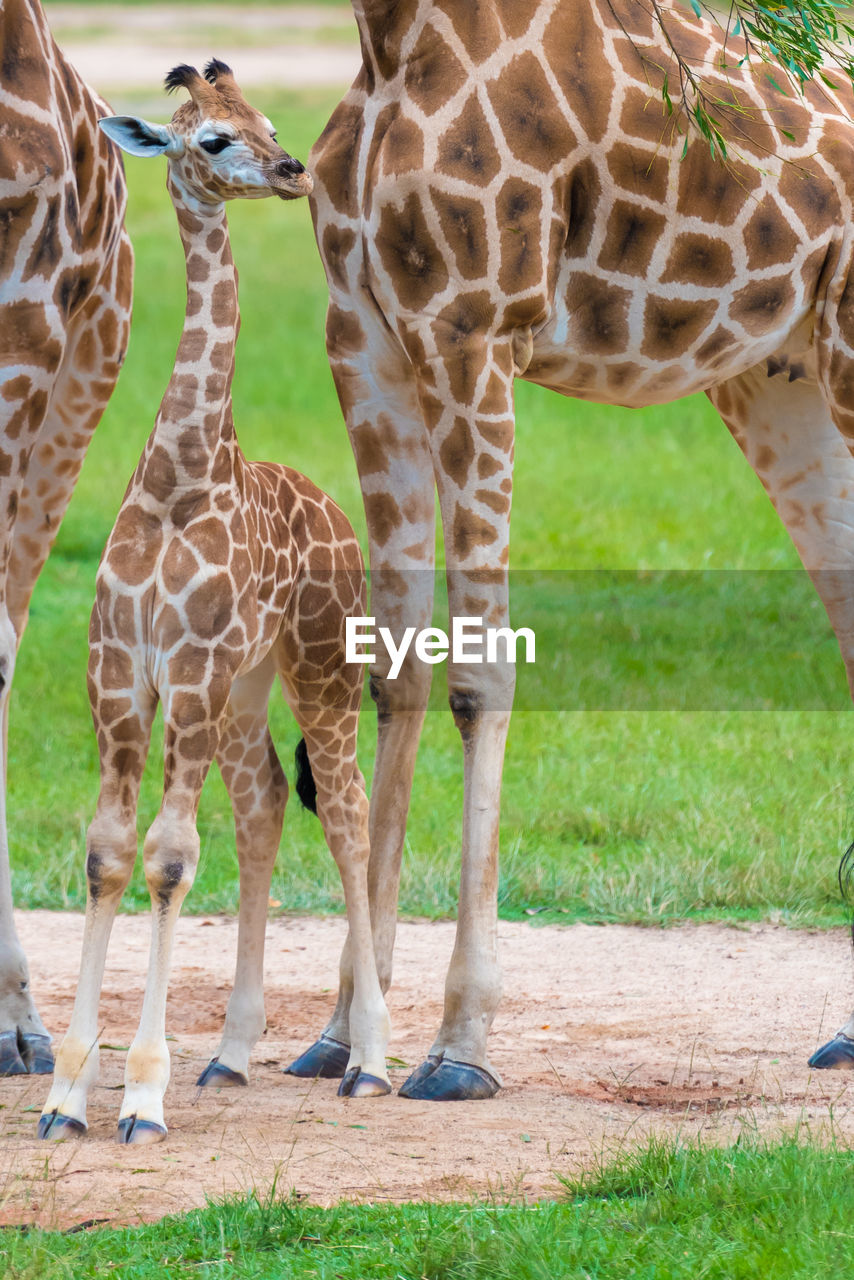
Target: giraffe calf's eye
213 146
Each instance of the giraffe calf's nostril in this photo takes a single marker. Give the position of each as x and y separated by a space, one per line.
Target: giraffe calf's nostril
288 167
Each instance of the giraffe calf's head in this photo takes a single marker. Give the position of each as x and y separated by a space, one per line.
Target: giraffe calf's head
218 146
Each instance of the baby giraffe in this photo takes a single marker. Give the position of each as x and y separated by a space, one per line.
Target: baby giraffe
219 574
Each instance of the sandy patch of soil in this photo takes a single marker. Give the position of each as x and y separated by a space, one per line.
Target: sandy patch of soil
604 1035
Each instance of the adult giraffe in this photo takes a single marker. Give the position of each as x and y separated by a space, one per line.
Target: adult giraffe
66 271
501 194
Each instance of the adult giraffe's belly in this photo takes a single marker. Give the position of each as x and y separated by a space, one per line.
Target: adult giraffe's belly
648 344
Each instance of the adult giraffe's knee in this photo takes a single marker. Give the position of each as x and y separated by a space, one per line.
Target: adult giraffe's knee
403 693
474 700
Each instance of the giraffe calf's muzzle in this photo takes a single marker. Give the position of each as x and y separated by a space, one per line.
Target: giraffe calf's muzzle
289 178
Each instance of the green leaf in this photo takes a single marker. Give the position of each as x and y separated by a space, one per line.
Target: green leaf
665 94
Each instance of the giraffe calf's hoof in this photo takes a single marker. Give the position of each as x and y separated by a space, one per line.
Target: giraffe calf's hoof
359 1084
54 1125
838 1053
326 1058
221 1077
139 1133
449 1081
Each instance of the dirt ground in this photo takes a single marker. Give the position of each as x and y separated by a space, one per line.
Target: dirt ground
604 1035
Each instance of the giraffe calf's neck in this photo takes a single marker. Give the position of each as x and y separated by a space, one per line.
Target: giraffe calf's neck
193 445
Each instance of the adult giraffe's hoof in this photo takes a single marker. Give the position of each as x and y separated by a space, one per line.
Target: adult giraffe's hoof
443 1080
54 1125
359 1084
23 1054
139 1133
326 1058
428 1066
221 1077
837 1053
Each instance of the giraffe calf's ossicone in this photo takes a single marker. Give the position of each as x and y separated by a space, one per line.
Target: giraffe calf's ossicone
220 575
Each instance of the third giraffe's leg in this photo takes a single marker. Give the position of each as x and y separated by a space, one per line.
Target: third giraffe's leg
258 791
50 407
473 458
787 433
379 400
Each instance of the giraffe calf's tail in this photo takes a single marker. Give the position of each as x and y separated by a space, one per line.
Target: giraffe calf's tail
306 789
846 879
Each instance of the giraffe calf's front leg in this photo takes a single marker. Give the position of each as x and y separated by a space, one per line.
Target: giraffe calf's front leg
110 855
171 854
77 1066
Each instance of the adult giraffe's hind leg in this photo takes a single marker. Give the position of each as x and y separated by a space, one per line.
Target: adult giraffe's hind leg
787 432
258 791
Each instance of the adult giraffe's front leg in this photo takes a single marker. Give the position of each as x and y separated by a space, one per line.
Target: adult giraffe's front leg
377 390
468 404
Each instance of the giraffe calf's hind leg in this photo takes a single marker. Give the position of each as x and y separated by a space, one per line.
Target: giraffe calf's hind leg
258 792
342 807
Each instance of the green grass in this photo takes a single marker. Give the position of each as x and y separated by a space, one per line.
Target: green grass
666 1210
680 748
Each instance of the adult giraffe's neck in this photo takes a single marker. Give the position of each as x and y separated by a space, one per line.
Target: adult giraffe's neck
193 444
382 25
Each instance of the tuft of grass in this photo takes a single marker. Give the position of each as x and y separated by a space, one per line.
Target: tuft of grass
667 1208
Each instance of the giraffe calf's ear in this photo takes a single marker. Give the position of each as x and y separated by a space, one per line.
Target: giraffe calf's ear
138 137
